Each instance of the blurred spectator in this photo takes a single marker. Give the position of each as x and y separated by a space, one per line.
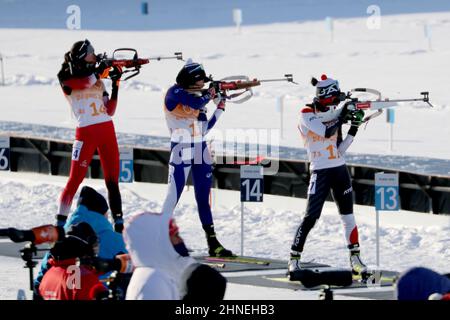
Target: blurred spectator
421 284
92 208
67 278
163 269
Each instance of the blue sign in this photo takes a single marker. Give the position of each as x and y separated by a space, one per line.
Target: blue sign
390 115
387 192
144 8
126 165
252 184
4 154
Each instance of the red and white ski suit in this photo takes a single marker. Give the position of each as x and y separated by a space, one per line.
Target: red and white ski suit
93 109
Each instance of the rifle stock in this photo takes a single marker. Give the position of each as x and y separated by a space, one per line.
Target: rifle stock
237 85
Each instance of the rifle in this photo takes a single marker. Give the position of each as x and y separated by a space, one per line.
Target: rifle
131 65
243 85
379 104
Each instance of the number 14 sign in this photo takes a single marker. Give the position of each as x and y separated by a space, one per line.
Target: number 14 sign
386 192
252 184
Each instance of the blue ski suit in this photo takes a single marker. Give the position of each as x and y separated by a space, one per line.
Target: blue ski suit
188 124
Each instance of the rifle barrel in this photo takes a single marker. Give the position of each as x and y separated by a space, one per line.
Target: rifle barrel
274 80
176 55
405 100
287 77
163 58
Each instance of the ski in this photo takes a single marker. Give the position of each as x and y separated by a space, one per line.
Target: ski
216 265
375 277
239 259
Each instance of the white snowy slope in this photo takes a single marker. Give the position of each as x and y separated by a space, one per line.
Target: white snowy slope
407 239
394 59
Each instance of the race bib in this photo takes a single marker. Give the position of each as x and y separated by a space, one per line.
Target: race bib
76 150
312 184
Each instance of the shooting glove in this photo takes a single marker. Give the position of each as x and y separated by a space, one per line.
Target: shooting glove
212 91
101 68
346 111
219 99
356 119
115 74
359 117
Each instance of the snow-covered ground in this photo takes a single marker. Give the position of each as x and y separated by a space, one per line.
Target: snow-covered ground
407 239
394 59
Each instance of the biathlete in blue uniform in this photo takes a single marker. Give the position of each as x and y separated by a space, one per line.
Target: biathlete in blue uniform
185 112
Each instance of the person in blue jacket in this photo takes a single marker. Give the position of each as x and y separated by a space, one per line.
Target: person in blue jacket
92 208
185 113
421 283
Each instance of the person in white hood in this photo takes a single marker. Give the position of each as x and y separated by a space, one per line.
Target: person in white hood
161 273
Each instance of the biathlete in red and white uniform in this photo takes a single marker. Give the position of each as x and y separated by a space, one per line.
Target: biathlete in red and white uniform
81 82
320 125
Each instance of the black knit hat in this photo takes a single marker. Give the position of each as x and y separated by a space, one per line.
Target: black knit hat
205 284
79 242
93 200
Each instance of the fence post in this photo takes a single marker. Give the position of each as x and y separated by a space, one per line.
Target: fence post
2 67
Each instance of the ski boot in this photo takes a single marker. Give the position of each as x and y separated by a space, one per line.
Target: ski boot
215 248
358 267
293 265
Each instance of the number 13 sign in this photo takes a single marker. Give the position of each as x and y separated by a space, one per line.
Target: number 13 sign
386 192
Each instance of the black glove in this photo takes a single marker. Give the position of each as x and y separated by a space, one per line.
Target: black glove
215 85
346 110
101 68
115 74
